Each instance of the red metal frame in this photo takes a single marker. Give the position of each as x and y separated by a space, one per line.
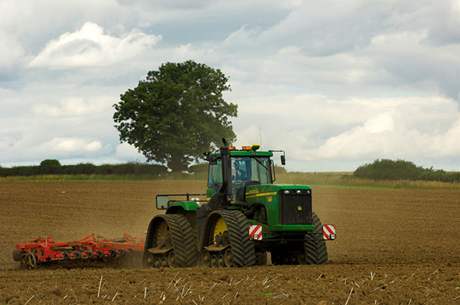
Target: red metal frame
89 247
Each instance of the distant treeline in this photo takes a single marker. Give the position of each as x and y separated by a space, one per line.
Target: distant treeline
53 167
385 169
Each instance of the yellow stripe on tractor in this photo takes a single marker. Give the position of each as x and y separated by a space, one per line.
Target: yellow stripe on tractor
261 194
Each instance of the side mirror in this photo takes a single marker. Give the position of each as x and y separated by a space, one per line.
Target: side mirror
162 202
283 159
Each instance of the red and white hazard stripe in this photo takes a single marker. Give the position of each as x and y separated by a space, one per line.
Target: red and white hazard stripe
329 232
255 232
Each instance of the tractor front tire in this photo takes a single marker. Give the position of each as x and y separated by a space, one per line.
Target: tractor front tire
182 238
314 245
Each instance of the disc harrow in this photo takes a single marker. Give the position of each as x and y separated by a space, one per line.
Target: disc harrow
43 251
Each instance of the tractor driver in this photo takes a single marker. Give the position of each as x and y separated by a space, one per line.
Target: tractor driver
241 170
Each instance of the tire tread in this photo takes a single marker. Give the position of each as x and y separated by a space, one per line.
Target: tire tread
183 240
243 250
314 245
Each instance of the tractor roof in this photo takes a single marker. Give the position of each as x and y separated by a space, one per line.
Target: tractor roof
250 153
245 151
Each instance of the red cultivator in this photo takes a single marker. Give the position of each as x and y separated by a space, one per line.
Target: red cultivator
90 248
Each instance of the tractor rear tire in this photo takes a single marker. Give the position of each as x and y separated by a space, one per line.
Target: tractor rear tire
315 246
242 248
183 240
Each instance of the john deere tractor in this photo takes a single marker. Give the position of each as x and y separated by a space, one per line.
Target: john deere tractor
243 218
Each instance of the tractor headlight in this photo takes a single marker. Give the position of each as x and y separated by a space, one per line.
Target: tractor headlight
286 192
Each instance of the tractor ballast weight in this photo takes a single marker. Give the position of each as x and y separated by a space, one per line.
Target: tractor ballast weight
243 216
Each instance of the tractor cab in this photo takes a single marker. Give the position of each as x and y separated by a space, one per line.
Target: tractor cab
242 168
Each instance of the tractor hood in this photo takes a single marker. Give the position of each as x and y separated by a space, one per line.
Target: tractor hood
263 190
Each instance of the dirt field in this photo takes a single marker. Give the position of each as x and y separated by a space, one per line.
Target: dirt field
394 246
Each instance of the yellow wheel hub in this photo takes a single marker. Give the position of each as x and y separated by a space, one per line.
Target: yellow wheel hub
219 229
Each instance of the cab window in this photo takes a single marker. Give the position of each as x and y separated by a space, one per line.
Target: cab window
215 173
251 169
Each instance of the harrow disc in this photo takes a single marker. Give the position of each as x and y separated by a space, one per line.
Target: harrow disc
29 261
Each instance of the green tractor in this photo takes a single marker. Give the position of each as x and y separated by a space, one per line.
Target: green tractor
243 218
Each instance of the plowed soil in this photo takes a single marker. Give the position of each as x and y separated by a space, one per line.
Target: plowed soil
394 246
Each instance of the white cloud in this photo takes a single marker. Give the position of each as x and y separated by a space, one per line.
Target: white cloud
90 46
390 135
413 63
11 51
178 4
381 123
363 142
126 152
346 81
72 145
314 128
74 106
446 144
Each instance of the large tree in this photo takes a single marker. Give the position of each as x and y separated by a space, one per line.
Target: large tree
176 113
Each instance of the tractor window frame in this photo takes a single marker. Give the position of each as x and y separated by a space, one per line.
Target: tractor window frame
215 178
255 171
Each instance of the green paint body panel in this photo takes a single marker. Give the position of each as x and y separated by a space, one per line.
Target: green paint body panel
210 192
262 194
189 206
268 196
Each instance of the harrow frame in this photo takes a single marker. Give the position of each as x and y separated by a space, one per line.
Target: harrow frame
92 247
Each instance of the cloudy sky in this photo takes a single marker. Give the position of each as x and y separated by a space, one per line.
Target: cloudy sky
335 83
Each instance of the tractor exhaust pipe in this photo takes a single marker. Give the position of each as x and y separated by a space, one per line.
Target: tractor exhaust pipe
226 174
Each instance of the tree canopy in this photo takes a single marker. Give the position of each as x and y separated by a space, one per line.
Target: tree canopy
385 169
176 113
50 163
